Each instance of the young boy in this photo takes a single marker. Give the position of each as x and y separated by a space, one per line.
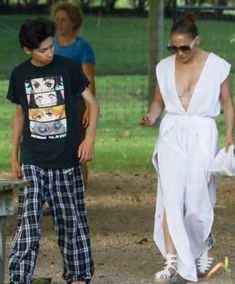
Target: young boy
46 150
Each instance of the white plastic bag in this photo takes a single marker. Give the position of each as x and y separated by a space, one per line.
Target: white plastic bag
224 163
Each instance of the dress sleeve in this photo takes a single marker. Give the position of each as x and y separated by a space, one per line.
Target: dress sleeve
225 70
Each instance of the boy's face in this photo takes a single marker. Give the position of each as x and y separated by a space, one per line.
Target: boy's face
42 55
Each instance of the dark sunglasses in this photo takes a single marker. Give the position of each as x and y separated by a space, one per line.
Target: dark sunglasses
182 48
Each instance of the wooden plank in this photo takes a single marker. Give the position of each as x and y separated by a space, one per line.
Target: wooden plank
12 184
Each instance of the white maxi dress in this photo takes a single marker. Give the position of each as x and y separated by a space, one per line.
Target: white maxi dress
187 143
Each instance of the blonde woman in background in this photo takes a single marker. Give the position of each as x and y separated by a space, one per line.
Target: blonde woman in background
67 42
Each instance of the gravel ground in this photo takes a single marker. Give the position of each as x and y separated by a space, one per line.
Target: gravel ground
120 211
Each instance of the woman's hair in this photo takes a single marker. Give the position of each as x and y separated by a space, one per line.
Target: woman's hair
72 10
34 32
186 25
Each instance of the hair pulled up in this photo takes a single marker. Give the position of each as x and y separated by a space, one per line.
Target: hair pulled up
186 25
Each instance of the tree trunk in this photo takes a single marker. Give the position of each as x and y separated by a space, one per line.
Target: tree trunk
156 22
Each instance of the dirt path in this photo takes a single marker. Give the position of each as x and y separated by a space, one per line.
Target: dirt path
120 211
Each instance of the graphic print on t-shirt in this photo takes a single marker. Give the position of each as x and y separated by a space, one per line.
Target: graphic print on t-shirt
47 117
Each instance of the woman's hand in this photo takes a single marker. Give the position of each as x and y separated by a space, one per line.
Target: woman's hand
229 140
147 120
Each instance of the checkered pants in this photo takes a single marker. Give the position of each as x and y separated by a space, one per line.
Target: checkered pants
63 190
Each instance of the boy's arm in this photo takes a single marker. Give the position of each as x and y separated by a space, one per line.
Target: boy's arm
86 148
17 128
89 71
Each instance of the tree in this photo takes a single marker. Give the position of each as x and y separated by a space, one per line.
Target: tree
156 22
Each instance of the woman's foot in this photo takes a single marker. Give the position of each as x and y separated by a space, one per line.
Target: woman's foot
205 260
204 263
169 271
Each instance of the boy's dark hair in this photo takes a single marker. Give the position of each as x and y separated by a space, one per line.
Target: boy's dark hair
33 32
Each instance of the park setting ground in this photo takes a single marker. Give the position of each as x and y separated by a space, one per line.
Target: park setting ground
120 210
121 191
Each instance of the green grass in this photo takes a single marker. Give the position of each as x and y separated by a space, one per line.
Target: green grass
121 145
120 44
121 48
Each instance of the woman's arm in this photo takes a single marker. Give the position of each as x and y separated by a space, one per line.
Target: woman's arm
155 109
228 107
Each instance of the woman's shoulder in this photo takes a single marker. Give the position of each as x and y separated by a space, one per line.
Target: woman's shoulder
219 66
218 59
85 51
80 41
166 62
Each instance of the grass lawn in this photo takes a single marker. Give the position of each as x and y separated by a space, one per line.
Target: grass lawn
121 145
120 45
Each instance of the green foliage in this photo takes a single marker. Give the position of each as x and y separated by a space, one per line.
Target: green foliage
42 280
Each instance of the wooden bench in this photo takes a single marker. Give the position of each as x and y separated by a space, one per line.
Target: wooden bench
7 186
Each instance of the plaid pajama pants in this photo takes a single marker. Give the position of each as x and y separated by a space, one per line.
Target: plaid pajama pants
64 192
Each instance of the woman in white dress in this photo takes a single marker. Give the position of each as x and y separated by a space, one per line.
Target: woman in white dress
192 84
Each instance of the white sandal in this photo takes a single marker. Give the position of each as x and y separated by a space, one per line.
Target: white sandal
169 271
205 262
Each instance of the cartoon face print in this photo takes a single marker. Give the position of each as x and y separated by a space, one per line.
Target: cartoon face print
40 85
48 128
45 99
47 114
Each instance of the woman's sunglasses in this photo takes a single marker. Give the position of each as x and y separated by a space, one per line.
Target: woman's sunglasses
182 48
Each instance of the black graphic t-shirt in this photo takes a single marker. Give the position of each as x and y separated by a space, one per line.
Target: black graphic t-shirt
48 97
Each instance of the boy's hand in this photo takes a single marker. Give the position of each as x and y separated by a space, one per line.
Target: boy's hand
86 150
85 119
15 170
